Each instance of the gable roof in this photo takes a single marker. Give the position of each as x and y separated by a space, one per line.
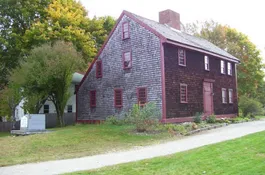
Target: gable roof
168 35
184 38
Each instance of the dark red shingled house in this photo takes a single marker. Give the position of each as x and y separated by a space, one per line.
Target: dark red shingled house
147 61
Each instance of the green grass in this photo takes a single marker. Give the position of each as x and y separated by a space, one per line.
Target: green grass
73 141
260 117
245 156
4 134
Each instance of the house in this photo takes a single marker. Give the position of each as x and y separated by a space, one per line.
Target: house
49 107
147 61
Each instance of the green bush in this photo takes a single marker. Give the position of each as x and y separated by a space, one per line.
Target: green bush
144 118
113 120
198 117
250 107
177 128
211 119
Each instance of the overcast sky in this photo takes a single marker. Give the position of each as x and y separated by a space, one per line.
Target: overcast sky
246 16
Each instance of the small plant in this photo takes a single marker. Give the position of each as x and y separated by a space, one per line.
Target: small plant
176 129
194 126
113 120
211 119
198 117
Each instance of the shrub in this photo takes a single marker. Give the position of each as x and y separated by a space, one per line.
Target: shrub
113 120
250 107
211 119
144 117
198 117
176 128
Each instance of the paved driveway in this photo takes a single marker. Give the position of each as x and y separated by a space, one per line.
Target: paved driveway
97 161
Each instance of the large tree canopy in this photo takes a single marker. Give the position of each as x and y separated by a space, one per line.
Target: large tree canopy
47 73
250 74
25 24
16 16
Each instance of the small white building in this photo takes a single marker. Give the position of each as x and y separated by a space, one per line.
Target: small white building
49 107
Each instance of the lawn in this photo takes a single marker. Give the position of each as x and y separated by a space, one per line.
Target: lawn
72 141
245 156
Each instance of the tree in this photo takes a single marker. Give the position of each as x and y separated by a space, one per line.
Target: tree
26 24
250 74
48 72
9 99
16 16
65 20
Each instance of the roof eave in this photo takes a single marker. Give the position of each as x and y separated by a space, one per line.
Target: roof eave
201 50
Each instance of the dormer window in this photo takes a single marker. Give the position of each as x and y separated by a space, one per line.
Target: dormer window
127 60
182 57
222 67
206 63
125 30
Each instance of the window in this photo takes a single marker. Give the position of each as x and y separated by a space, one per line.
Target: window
69 108
127 60
182 57
118 97
224 100
183 93
230 94
206 63
125 30
142 96
222 66
93 98
229 68
99 69
46 109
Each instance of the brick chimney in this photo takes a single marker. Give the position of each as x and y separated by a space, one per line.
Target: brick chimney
170 18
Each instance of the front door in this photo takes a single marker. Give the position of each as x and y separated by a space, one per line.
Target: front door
208 98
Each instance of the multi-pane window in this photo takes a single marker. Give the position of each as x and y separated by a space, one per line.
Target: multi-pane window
46 109
222 66
224 99
118 97
93 98
182 57
230 94
142 96
183 93
125 30
69 108
99 69
127 60
229 68
206 63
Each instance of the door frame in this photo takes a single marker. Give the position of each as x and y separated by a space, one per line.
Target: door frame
210 81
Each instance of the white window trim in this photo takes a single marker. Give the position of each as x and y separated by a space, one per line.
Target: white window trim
185 61
229 71
230 96
224 96
206 62
222 65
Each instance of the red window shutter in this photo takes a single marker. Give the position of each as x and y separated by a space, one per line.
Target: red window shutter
142 96
125 30
118 97
93 98
99 69
183 93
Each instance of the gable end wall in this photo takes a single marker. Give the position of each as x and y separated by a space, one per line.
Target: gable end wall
145 72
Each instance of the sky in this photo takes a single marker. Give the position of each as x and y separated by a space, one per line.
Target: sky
244 15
